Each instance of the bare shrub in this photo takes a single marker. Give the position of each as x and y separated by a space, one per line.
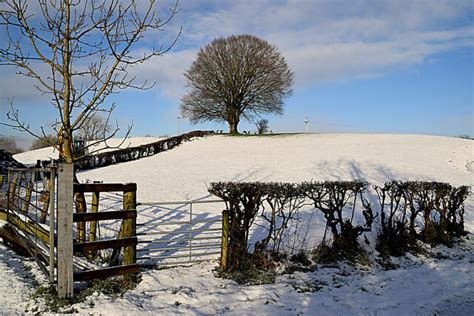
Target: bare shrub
430 211
394 238
243 201
442 207
284 200
262 126
333 199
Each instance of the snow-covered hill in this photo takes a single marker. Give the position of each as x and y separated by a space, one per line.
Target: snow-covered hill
185 172
421 285
47 153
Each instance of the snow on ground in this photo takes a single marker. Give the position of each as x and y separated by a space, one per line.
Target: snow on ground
423 286
17 281
30 157
185 172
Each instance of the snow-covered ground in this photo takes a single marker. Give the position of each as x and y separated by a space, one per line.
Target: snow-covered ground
421 285
47 153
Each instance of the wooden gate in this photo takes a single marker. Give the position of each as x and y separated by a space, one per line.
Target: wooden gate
39 204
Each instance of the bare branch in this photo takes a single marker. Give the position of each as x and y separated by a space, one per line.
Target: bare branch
75 41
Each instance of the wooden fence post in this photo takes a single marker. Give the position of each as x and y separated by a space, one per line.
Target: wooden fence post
94 209
225 240
81 207
46 199
12 191
26 202
129 225
65 275
93 224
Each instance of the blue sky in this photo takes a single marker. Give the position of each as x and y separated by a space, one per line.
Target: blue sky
360 66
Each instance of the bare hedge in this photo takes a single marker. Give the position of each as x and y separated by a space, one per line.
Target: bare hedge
409 211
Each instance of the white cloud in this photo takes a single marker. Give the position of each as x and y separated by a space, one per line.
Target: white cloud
166 71
323 41
20 88
359 59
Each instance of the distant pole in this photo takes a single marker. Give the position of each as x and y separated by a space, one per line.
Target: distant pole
177 126
306 121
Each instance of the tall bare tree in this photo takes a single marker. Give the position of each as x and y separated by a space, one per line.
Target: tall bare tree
262 126
96 128
48 141
9 144
88 48
234 77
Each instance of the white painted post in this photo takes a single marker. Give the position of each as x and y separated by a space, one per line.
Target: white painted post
65 274
52 222
190 231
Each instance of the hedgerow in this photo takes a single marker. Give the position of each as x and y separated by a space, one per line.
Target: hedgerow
432 212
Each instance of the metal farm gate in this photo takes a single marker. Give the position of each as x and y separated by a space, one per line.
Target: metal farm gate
180 232
28 205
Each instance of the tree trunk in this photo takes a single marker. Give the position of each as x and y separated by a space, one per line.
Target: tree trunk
65 142
66 147
233 122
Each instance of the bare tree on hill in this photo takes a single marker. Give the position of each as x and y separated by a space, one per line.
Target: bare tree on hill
88 49
262 126
9 144
96 128
234 77
46 141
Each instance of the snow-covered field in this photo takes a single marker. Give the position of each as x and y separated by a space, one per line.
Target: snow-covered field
185 172
421 286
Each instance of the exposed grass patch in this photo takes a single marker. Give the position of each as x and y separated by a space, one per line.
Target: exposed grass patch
52 303
300 262
250 276
301 258
308 287
396 245
340 251
113 287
